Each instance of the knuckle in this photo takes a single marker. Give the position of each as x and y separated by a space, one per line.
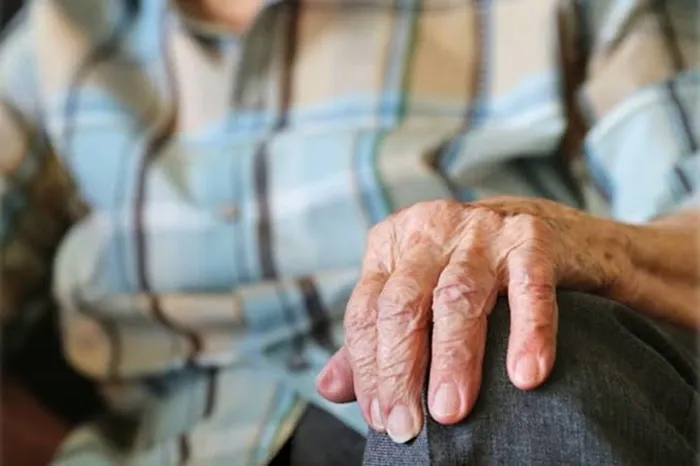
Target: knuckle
398 298
364 368
401 367
537 275
462 318
358 324
484 215
362 358
395 360
402 354
531 270
378 232
460 290
533 331
548 313
443 205
379 240
537 291
427 212
415 237
452 355
540 323
399 334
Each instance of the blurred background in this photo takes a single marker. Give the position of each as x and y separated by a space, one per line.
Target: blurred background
33 417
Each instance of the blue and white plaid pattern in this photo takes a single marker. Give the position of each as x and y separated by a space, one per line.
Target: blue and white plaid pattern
197 201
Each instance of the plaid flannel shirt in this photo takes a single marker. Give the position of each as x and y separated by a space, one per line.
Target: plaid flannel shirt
196 201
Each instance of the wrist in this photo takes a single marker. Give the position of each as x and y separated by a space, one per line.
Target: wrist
596 256
666 249
662 277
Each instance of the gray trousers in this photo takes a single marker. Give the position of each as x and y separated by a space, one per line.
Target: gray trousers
623 391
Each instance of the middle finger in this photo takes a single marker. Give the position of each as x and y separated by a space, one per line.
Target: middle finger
463 298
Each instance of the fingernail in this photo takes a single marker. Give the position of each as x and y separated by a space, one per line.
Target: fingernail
327 378
446 402
527 370
376 415
402 426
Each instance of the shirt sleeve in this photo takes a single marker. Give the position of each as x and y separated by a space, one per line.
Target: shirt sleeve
34 192
638 95
294 321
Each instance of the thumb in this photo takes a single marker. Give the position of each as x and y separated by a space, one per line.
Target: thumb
335 382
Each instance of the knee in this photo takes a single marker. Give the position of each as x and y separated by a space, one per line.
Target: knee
607 385
612 378
585 324
602 349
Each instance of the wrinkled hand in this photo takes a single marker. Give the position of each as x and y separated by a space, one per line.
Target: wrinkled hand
430 277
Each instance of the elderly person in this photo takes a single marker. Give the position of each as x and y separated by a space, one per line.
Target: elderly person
210 188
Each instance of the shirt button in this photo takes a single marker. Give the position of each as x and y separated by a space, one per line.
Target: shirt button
229 212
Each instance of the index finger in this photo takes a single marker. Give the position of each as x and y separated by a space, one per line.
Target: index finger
361 342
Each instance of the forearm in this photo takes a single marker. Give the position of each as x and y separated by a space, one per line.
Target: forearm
663 278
